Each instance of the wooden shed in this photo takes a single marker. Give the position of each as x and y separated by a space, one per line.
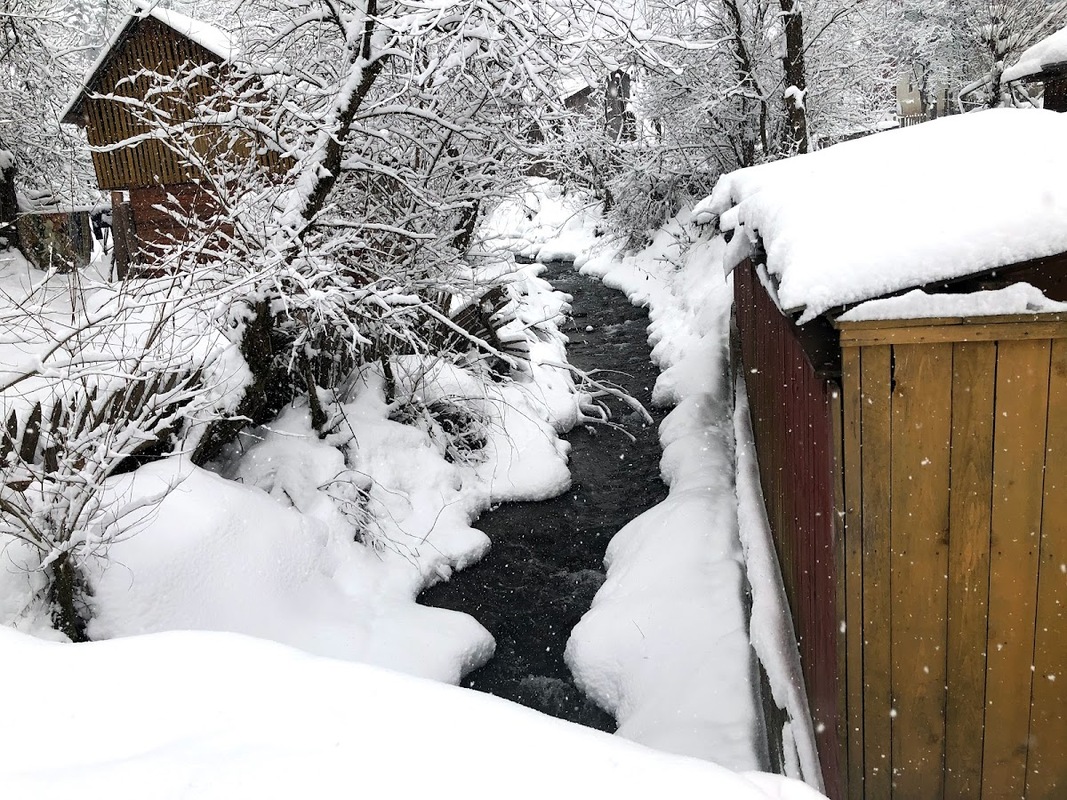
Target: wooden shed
147 179
1044 63
912 448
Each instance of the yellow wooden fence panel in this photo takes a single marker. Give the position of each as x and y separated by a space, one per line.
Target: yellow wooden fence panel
1045 772
974 373
922 402
1018 468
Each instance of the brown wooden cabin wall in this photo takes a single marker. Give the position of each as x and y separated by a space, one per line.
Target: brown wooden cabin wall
792 413
159 218
955 450
151 45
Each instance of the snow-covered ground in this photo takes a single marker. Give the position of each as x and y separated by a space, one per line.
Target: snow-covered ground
323 545
207 715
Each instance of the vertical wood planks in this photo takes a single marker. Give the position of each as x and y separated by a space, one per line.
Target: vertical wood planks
841 565
851 410
876 399
1018 465
973 383
1048 710
921 426
793 427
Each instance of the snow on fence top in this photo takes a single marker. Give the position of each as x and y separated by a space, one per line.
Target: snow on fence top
874 216
1049 52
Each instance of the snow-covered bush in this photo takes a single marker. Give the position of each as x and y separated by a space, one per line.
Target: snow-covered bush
93 382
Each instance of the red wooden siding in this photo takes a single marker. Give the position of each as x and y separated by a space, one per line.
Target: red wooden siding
791 408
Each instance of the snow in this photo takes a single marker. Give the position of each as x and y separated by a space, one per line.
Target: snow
679 573
209 715
216 41
322 544
841 225
543 224
1019 298
1049 52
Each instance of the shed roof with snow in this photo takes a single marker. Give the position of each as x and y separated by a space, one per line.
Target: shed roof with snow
842 225
1046 57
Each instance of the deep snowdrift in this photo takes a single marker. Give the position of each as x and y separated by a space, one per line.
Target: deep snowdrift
210 715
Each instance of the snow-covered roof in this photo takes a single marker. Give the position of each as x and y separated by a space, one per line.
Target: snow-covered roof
215 40
900 209
1049 53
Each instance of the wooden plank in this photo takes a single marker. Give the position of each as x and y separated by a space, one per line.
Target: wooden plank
1018 462
876 432
837 520
970 497
851 676
992 319
1046 768
922 398
1043 328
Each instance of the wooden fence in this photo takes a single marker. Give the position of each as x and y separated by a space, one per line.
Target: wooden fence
955 451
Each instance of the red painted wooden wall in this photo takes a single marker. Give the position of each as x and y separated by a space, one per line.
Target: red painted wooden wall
791 408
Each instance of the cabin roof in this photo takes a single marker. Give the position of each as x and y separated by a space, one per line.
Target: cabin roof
1047 57
215 40
921 205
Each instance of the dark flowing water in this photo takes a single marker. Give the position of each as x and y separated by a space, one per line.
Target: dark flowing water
546 562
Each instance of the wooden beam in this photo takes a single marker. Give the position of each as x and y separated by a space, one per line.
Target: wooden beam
1043 326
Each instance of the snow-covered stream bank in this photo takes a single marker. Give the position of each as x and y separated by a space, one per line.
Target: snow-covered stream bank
546 560
671 645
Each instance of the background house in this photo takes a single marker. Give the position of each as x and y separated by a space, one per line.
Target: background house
912 447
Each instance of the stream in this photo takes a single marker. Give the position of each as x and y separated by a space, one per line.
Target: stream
546 560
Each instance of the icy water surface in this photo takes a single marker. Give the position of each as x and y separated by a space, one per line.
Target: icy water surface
546 562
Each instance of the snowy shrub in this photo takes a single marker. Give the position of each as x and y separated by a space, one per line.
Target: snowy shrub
95 379
451 423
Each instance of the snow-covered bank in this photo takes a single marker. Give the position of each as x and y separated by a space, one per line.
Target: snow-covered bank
209 715
667 646
324 544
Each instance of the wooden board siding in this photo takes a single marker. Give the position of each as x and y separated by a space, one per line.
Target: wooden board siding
970 509
792 422
955 508
161 217
151 46
1048 704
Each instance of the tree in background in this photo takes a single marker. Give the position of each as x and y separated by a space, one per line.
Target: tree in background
45 46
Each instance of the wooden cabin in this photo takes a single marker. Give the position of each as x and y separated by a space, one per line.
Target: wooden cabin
152 186
912 448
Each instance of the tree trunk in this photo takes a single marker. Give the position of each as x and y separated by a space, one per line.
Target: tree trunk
795 131
9 206
67 590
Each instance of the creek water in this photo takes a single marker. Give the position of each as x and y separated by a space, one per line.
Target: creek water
546 560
